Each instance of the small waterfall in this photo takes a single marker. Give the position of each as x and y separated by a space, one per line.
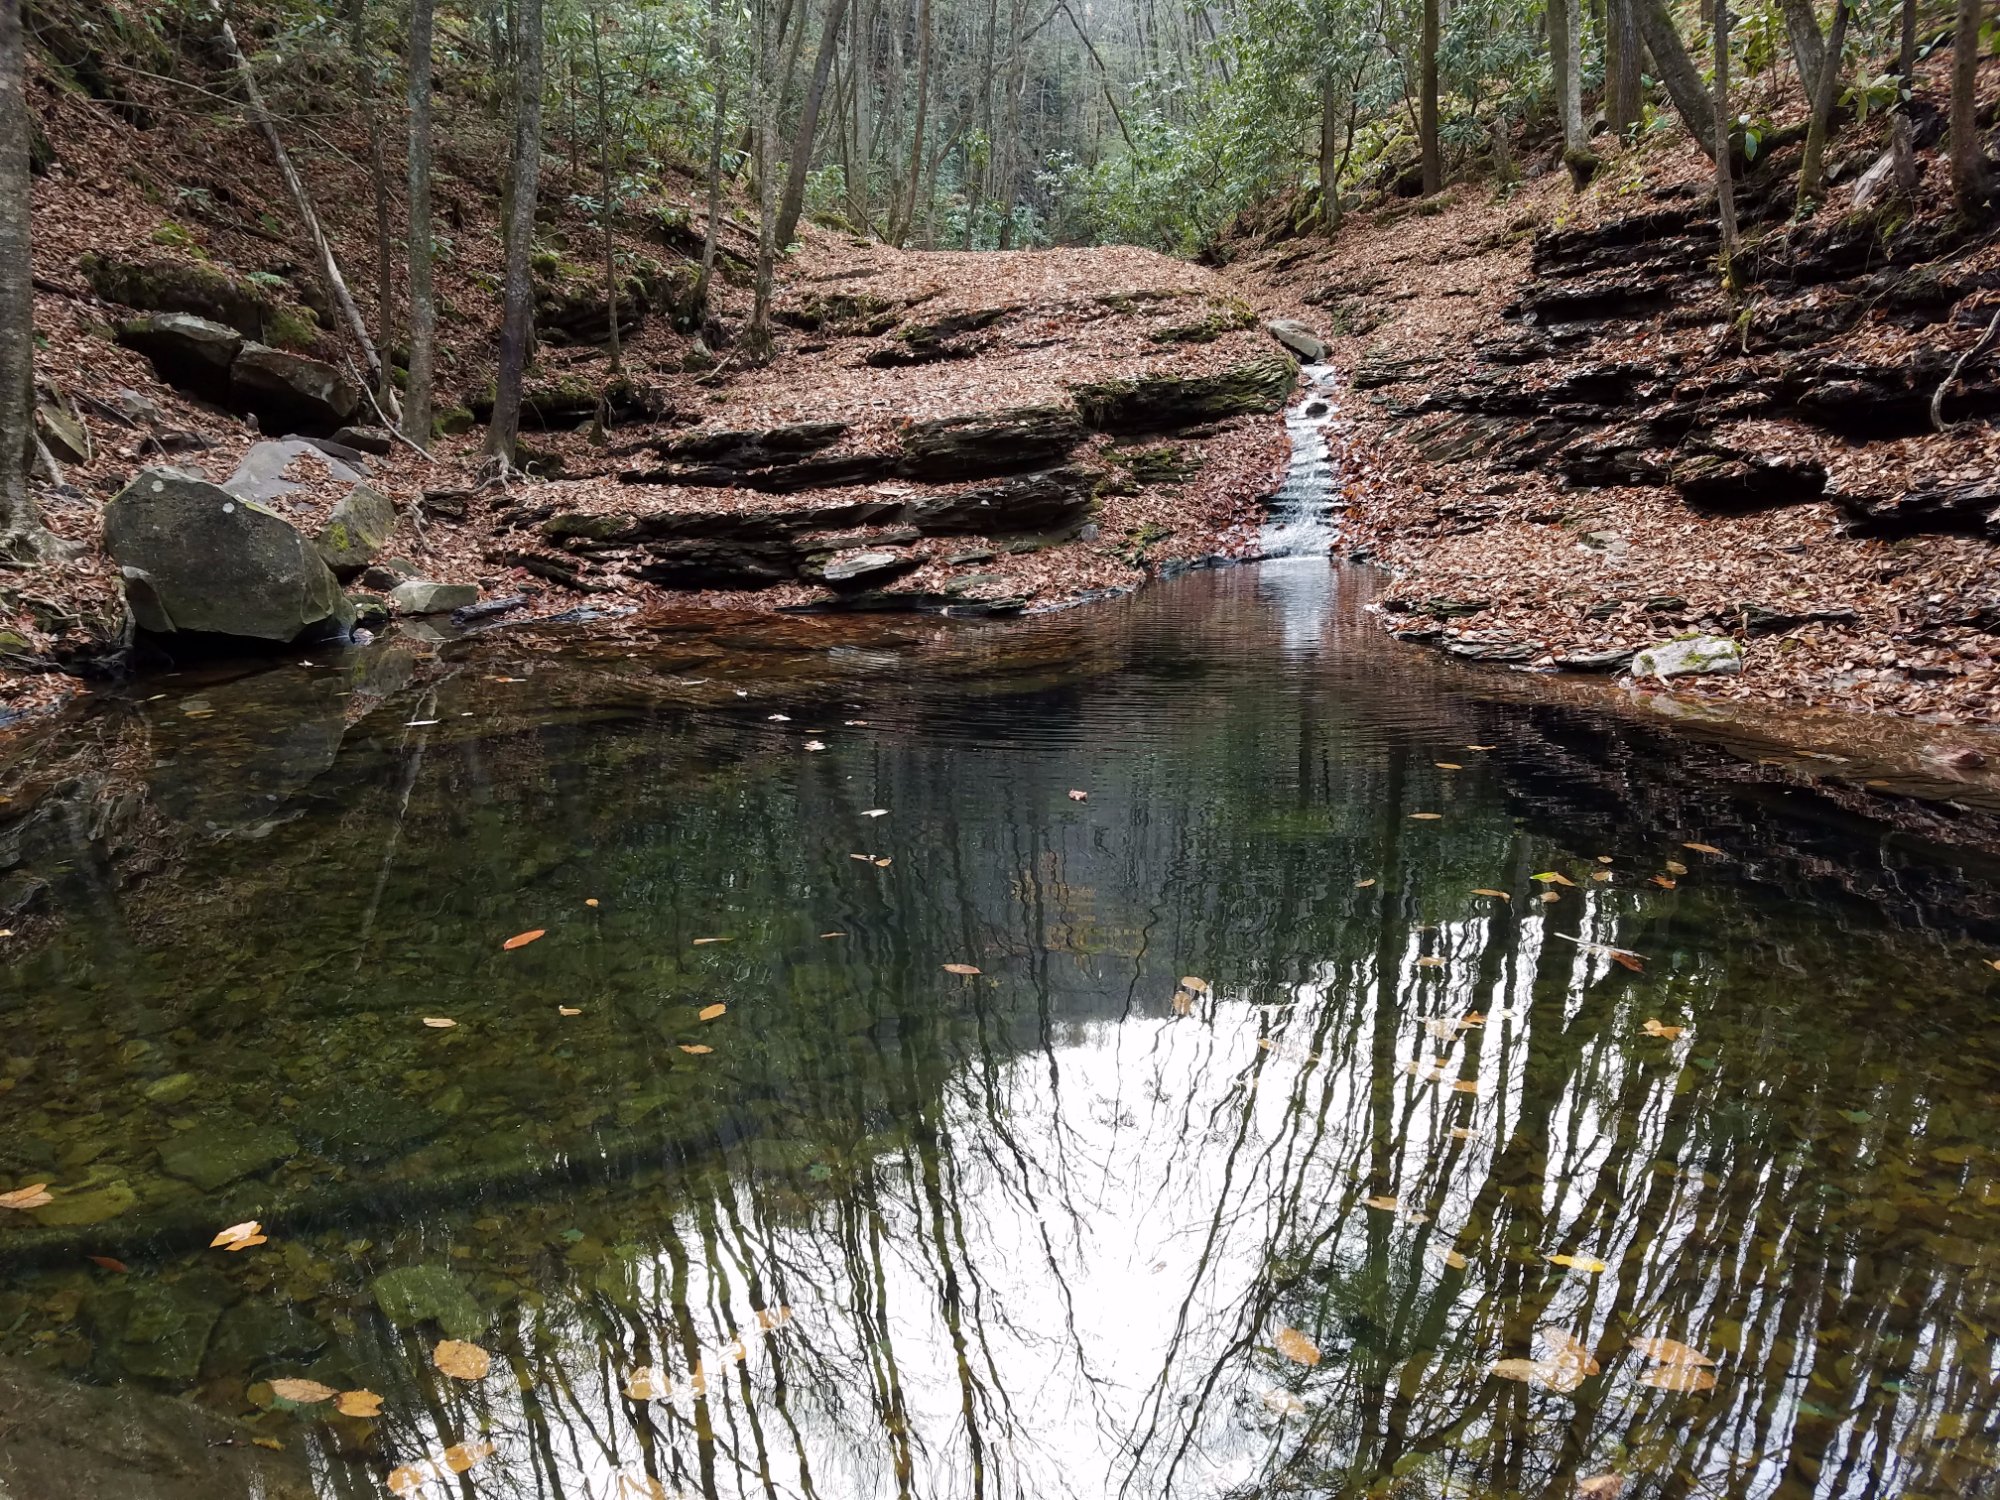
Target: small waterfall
1300 523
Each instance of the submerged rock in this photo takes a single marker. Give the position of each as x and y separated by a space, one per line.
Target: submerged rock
196 558
1689 656
152 1330
213 1155
412 1295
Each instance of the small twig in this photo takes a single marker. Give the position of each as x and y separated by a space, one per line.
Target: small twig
56 475
1937 397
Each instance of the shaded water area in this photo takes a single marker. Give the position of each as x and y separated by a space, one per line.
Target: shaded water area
1251 1064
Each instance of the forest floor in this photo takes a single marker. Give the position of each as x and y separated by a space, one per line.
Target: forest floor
1565 444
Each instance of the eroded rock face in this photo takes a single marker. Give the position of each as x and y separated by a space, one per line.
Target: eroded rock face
159 284
984 444
1050 501
290 393
1161 403
196 558
189 353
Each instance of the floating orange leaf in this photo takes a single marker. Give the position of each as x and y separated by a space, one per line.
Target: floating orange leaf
460 1360
1447 765
1296 1347
522 939
248 1232
1384 1202
590 901
34 1195
1600 874
1497 895
358 1404
1426 817
647 1384
1670 1352
1482 747
704 942
1675 867
107 1262
1362 885
439 1023
460 1457
1076 796
1567 1349
961 968
884 862
1664 1033
1547 1373
773 1317
1430 961
1665 883
569 1010
406 1480
1194 984
303 1392
1466 1086
1702 848
1600 1487
1551 896
1456 1261
833 934
1553 877
1577 1263
1679 1378
695 1049
710 1012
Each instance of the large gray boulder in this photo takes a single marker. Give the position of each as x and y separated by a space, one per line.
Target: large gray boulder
189 353
196 558
1297 337
1689 656
414 596
290 393
362 520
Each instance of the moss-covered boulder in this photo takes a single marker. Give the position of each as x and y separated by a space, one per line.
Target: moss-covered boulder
196 558
356 531
412 1296
161 284
152 1330
1163 402
216 1153
290 393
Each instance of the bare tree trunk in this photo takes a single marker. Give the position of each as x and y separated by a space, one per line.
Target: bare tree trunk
1565 53
1427 97
1809 49
697 309
908 215
1725 186
22 535
607 190
518 290
1622 66
1971 176
1811 170
329 267
802 140
1329 177
861 48
423 300
385 263
1677 72
757 342
1906 56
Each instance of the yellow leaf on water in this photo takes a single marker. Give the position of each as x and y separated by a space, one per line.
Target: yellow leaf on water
590 901
268 1442
648 1384
1702 848
1482 747
695 1049
1993 963
1472 1018
710 1012
1194 985
460 1457
866 859
1284 1403
1466 1086
569 1010
1296 1347
1662 881
833 934
1552 877
1671 1352
1664 1033
1265 1043
961 968
1600 874
1464 1133
439 1023
1679 1378
884 862
1430 961
34 1195
1456 1261
1577 1263
1551 896
1076 796
1675 867
1600 1487
1183 1002
1384 1202
1447 765
1499 895
1566 1348
237 1234
1426 817
1546 1373
704 942
304 1392
522 939
358 1404
773 1317
460 1360
406 1480
1362 885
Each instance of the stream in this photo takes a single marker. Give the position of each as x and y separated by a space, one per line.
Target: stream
1190 1047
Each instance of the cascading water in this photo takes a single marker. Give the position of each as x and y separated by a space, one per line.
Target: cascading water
1301 522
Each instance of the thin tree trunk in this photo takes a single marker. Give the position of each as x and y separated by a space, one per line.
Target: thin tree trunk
22 535
385 264
518 290
1971 178
1622 67
1677 72
861 49
329 267
1809 49
1725 186
1427 98
1811 172
606 191
757 340
697 310
423 301
1329 177
908 215
802 139
1906 56
1565 26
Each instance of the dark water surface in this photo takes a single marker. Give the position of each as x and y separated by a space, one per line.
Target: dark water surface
1047 1230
